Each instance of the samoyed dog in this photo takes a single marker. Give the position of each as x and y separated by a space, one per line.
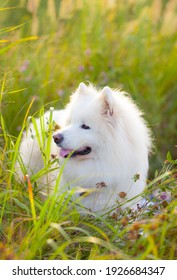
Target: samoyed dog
102 146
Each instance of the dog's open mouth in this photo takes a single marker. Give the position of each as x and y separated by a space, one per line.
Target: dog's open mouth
73 153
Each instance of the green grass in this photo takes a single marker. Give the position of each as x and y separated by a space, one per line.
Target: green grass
44 55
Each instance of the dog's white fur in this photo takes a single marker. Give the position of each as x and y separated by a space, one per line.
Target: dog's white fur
120 143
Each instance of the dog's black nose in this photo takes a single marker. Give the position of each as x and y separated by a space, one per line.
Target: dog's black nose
58 138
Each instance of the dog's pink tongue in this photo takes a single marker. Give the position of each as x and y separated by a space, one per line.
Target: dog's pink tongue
65 152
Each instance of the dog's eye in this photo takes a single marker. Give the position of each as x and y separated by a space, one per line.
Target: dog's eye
84 126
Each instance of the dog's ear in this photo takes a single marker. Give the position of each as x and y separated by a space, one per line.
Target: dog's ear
82 88
108 101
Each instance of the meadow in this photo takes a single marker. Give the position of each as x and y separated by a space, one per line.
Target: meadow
46 49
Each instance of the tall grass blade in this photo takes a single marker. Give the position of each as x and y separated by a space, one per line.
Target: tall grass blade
31 197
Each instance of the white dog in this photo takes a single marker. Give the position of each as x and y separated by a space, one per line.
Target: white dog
104 144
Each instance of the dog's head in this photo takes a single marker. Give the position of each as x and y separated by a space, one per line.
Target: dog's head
90 120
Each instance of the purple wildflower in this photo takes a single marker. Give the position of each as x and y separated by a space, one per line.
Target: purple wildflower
60 92
24 66
165 196
87 52
81 68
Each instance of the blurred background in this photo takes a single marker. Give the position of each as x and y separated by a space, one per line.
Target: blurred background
47 47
